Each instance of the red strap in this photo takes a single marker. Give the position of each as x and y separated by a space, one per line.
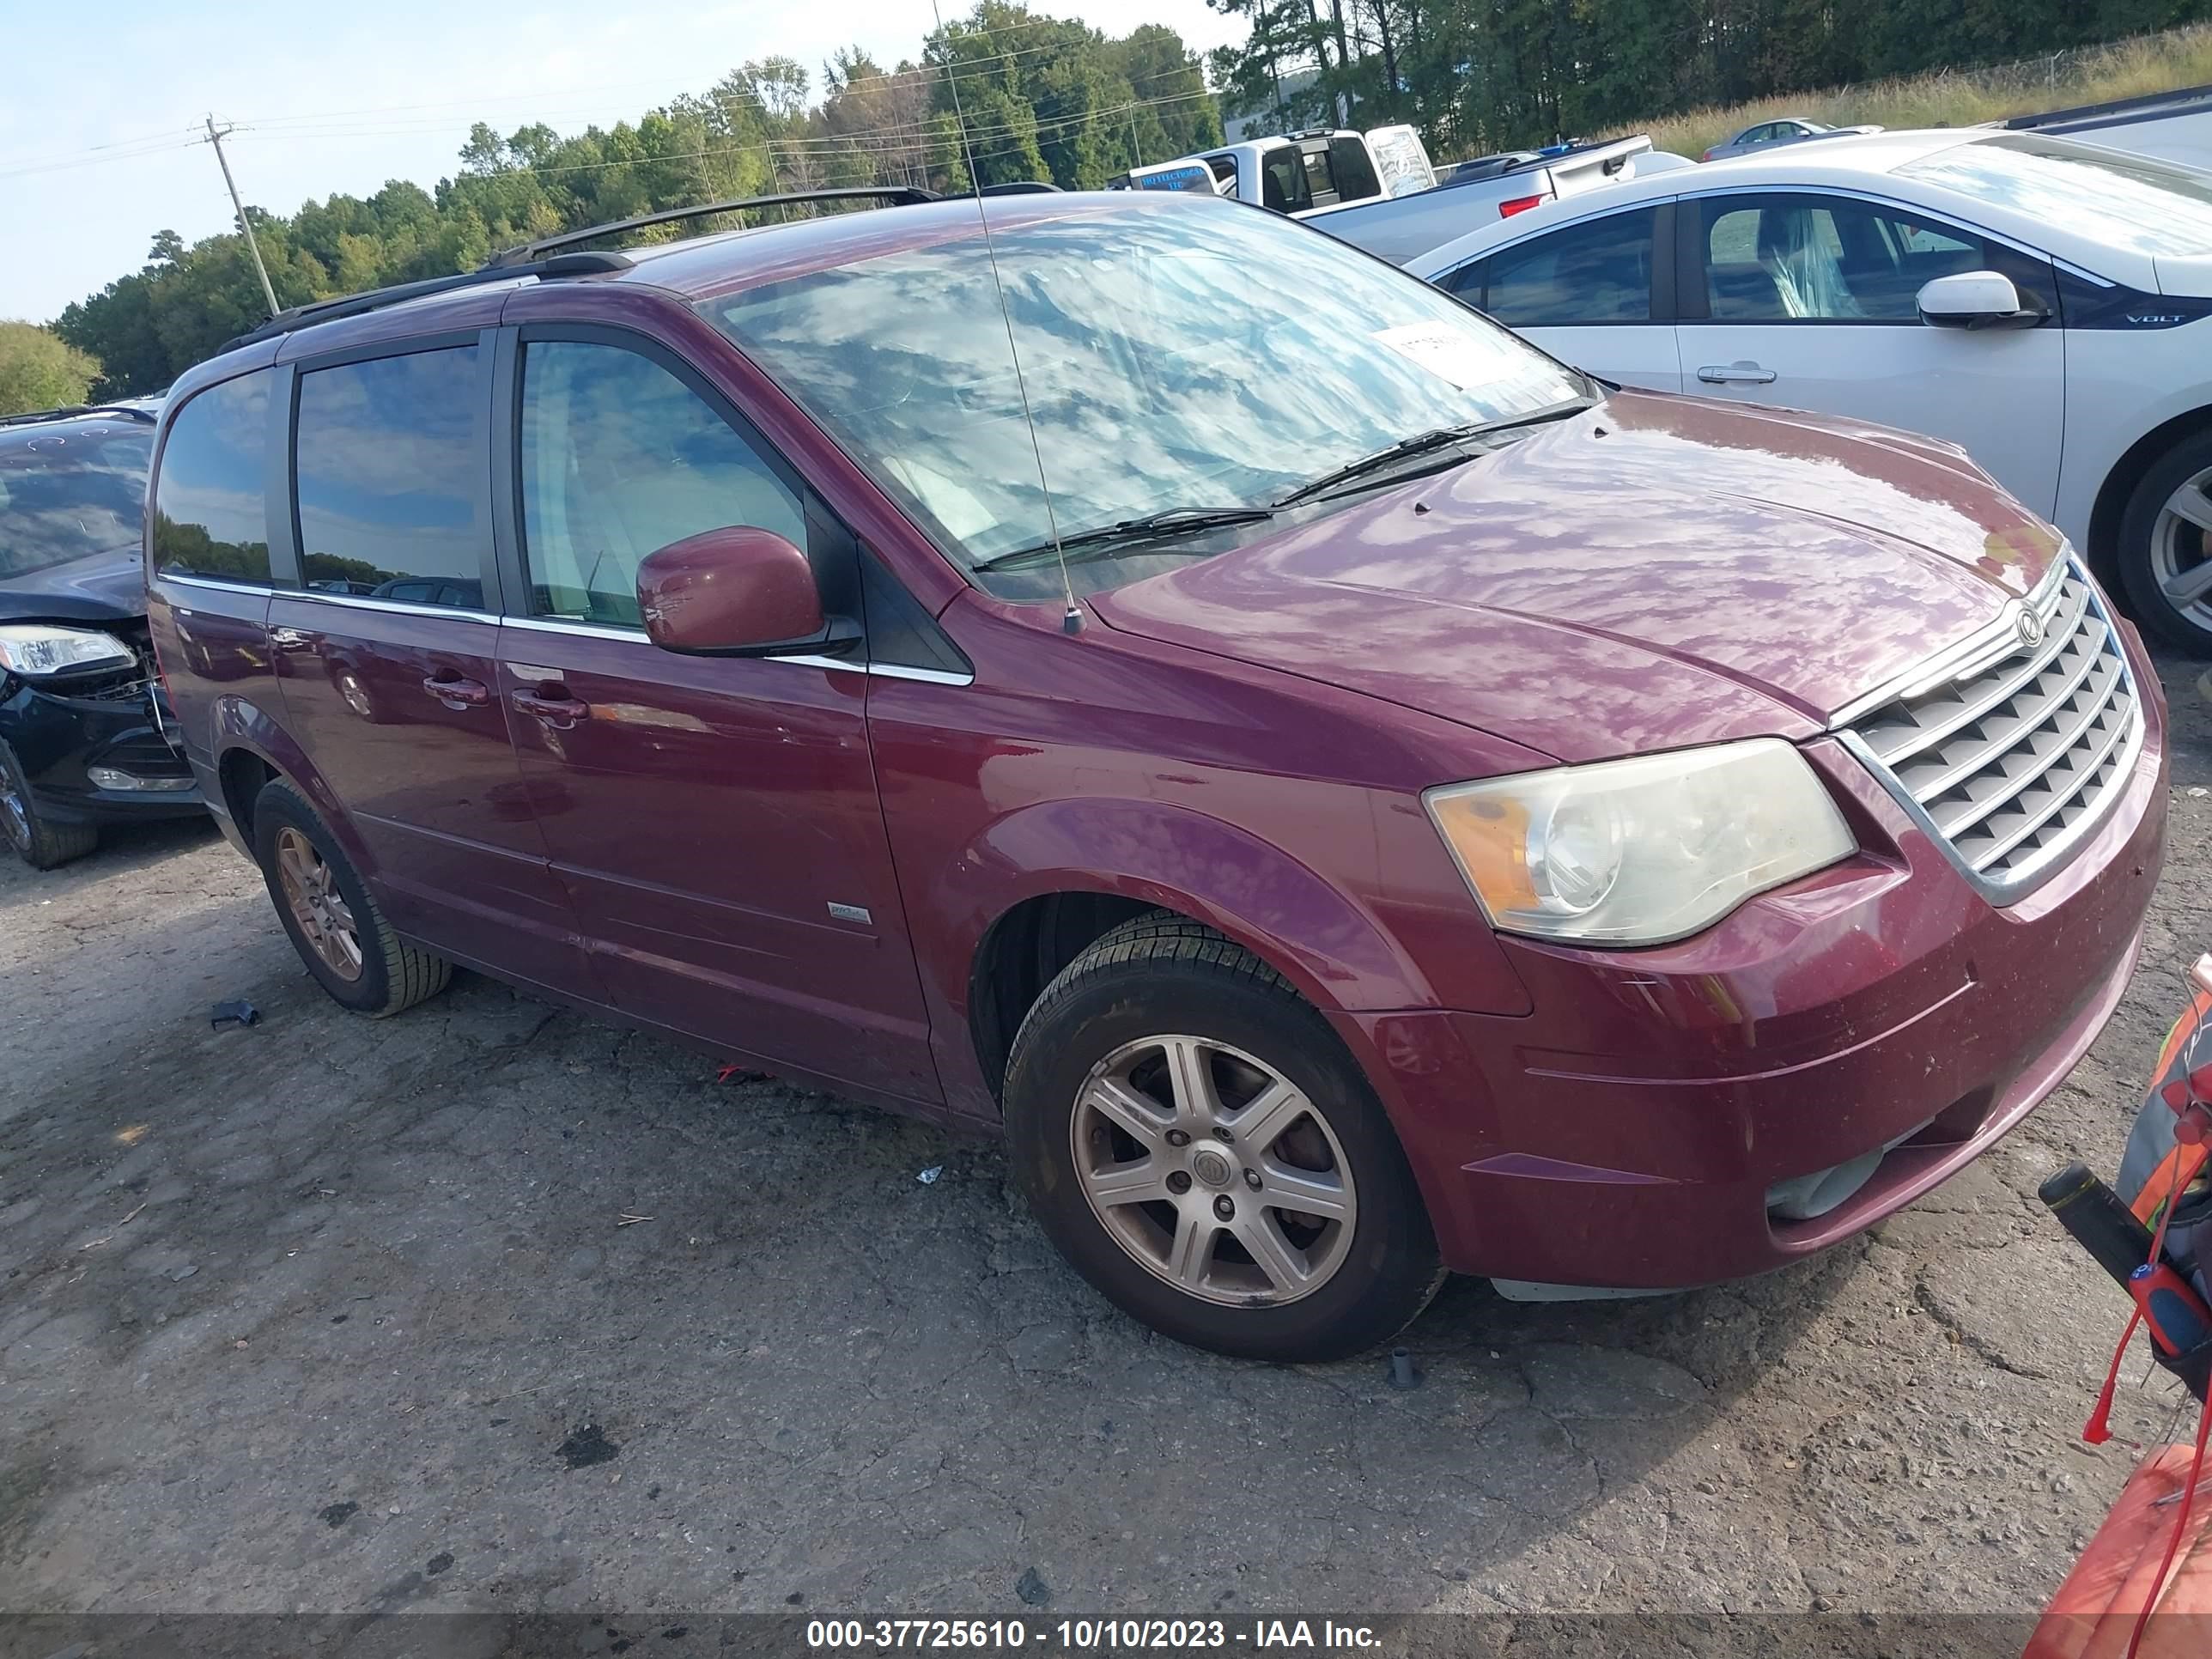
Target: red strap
2099 1429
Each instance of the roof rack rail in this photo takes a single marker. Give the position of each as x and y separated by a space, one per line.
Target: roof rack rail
30 418
892 195
551 256
376 299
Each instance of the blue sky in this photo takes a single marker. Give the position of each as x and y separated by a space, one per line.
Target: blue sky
94 150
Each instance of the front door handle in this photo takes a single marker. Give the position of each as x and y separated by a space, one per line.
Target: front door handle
458 693
291 639
1743 371
556 707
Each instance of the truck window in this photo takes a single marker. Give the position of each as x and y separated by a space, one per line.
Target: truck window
1283 182
1354 169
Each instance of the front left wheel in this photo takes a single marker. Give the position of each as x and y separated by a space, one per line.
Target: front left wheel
1197 1142
36 838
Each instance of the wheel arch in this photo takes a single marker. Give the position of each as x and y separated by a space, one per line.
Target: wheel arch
251 750
2124 475
1044 883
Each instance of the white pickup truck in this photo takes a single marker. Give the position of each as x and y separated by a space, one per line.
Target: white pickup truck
1379 191
1300 173
1478 193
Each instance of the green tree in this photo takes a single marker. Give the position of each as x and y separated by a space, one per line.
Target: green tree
1042 97
38 369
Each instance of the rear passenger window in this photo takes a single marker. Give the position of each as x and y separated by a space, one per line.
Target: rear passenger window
620 459
1353 171
209 515
1598 272
392 477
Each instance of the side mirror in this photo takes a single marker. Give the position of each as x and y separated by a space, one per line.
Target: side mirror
1974 299
736 591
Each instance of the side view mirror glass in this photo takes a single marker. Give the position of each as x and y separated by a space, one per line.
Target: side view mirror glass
737 592
1974 299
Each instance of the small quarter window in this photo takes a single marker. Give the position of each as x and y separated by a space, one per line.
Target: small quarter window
392 477
210 518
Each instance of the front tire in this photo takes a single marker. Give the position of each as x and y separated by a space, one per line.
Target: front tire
36 838
2165 547
1193 1136
326 909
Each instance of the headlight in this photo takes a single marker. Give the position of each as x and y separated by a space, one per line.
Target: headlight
1640 851
37 649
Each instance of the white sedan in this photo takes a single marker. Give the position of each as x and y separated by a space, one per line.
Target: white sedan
2045 304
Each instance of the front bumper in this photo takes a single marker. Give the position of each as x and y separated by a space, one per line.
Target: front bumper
1627 1133
77 743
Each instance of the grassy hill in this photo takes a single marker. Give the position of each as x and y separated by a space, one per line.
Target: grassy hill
1959 97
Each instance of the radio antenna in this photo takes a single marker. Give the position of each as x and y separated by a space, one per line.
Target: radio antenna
1071 621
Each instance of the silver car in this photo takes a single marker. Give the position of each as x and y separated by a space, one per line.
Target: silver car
1790 129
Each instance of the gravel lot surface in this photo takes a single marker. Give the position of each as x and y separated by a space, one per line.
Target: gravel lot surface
327 1315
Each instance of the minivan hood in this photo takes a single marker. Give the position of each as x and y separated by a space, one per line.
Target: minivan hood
105 588
1660 571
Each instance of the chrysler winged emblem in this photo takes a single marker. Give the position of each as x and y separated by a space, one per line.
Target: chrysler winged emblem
2030 628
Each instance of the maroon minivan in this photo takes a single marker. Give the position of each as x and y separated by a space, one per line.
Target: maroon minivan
1350 796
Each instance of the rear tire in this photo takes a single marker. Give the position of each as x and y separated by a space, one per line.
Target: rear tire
2163 546
37 839
1164 1028
326 909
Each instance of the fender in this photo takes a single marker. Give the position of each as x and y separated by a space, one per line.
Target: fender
238 722
1328 946
1327 942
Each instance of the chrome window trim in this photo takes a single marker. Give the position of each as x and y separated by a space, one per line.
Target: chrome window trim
888 670
1979 652
220 584
397 607
2026 876
580 630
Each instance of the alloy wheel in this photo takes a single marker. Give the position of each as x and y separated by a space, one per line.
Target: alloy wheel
1214 1171
2181 551
311 889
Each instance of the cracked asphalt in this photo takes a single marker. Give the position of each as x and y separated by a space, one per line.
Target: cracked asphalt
492 1307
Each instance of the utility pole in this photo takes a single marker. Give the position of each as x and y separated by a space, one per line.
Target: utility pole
1134 148
254 247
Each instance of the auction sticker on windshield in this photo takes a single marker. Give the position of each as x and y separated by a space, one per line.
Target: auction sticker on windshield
1472 358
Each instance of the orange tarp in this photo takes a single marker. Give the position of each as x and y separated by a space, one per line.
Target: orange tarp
2094 1612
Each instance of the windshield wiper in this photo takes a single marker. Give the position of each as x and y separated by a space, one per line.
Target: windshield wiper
1430 443
1171 521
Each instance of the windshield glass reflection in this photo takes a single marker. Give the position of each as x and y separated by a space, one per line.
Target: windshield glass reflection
2128 201
1177 354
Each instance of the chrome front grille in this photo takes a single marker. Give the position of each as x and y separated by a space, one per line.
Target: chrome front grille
2008 751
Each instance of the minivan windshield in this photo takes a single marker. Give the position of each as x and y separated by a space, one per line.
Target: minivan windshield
69 491
1176 353
2129 202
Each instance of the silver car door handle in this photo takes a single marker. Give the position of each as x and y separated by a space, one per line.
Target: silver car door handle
1736 374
